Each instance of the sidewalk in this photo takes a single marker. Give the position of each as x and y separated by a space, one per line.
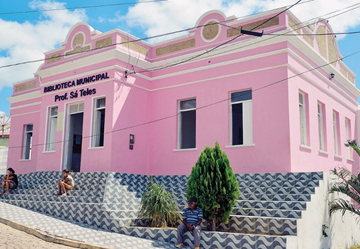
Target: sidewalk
32 222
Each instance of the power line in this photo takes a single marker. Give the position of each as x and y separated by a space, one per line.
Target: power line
201 107
81 7
304 24
135 40
157 36
224 43
337 33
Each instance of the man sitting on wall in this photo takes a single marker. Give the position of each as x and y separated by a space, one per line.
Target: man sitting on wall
10 181
67 183
192 218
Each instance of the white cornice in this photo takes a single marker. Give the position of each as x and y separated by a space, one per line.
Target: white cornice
24 97
77 63
24 81
27 105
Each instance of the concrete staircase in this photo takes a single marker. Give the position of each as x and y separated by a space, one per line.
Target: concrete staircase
266 214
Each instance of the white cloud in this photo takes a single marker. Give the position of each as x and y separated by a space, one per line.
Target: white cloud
162 17
28 41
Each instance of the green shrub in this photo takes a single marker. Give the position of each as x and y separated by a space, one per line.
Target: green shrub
214 184
157 206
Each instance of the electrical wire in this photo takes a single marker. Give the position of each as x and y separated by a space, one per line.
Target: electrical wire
156 36
81 7
201 107
304 24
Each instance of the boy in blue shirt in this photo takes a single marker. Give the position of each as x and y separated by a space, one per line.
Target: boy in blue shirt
192 218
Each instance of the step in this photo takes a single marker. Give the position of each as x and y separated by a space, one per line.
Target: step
267 213
275 197
53 198
280 176
276 205
278 184
261 225
85 213
54 191
276 190
54 185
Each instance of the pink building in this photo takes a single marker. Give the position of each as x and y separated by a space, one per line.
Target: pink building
110 102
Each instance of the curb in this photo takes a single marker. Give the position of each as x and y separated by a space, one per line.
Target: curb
50 237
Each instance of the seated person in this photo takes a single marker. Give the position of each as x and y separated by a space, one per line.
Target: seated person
192 218
10 181
67 183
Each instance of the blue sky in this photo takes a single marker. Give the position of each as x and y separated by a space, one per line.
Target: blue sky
26 36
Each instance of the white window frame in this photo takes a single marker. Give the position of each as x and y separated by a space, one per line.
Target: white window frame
180 111
302 117
321 127
247 119
51 129
335 128
27 142
95 141
348 132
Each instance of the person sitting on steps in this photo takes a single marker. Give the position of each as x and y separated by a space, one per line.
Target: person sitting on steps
10 181
67 183
192 218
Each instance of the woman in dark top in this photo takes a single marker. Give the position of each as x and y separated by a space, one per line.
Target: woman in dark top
10 181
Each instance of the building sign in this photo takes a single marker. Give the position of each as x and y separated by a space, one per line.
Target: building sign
77 82
75 94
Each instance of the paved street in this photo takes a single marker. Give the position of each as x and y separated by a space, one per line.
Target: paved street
11 238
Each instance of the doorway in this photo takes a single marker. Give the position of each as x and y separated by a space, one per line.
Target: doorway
74 140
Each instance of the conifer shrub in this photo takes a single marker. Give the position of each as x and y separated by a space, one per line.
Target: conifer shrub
214 184
157 207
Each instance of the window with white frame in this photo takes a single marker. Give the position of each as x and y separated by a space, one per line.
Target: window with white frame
348 132
302 112
241 118
28 132
52 127
321 127
187 124
336 135
99 122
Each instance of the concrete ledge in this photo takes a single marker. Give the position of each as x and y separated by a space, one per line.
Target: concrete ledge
49 237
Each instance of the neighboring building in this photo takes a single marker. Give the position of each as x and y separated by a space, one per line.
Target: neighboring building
89 111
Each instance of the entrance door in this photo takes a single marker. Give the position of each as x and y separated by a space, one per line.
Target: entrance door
74 138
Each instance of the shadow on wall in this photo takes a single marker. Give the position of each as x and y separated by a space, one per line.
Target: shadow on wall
3 159
343 230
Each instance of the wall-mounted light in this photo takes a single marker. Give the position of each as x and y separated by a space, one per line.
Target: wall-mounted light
332 75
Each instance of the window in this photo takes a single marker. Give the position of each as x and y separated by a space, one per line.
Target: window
27 141
241 118
348 132
336 133
187 124
302 111
52 127
99 122
321 127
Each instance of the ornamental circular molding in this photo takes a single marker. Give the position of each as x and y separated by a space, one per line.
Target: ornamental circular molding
211 30
78 40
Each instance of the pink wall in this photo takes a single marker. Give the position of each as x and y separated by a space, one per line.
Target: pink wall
146 104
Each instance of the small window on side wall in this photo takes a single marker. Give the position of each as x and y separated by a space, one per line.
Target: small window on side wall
99 123
303 119
28 132
187 124
52 127
241 118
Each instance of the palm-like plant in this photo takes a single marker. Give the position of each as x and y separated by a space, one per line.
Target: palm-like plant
349 185
158 207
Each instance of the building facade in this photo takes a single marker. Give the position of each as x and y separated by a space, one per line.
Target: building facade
111 102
